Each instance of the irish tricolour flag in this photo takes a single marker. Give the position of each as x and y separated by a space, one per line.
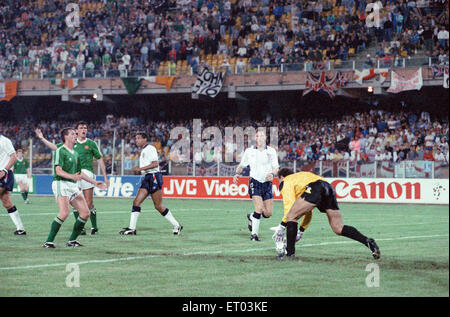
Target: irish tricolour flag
61 82
8 90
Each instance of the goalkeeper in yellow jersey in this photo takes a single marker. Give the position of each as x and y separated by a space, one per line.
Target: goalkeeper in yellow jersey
304 191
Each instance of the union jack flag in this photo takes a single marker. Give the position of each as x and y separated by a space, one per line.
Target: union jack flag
439 70
325 82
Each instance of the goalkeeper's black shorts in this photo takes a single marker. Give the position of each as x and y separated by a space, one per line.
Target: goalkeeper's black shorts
321 194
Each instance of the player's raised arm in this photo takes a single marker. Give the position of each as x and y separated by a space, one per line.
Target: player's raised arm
47 143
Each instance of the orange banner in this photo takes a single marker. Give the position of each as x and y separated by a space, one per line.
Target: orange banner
8 90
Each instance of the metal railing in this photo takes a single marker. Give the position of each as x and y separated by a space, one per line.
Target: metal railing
120 157
338 169
236 69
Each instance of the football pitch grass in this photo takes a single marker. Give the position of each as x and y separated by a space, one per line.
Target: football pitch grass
214 256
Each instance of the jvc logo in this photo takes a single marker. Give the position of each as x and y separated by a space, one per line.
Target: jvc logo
373 14
73 19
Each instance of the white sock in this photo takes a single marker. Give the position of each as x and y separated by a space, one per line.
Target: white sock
133 220
16 219
171 219
255 225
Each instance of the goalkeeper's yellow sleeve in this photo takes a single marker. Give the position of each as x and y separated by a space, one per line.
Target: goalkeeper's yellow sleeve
289 198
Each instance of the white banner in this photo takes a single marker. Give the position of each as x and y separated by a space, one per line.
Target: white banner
379 74
400 83
445 84
2 90
208 83
391 190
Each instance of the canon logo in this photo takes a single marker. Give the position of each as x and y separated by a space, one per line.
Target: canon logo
374 190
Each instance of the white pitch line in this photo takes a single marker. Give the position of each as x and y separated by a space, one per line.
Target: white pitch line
202 253
383 239
107 212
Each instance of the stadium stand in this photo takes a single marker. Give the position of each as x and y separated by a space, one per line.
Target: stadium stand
174 37
366 137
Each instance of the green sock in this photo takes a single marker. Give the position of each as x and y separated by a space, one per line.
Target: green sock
77 227
76 214
93 217
56 224
24 196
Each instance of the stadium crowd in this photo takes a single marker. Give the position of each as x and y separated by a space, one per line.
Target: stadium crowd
371 136
143 35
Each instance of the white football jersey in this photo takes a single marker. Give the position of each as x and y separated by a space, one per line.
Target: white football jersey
261 162
148 155
6 149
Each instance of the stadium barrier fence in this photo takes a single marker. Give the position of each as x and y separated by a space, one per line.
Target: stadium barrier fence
402 62
120 159
351 190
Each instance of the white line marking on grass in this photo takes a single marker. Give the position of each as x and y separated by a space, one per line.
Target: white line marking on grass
203 253
383 239
83 262
109 212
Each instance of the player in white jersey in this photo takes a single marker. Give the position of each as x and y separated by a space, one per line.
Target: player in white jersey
263 161
7 159
151 184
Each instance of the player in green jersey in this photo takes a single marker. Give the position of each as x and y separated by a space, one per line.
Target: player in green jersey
67 172
87 150
22 174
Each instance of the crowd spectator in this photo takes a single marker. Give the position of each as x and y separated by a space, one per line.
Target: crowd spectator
35 38
354 138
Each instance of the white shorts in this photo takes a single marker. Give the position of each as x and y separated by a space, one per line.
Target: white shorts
65 188
21 178
84 184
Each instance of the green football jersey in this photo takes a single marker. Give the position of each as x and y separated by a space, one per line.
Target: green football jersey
86 150
20 167
69 162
